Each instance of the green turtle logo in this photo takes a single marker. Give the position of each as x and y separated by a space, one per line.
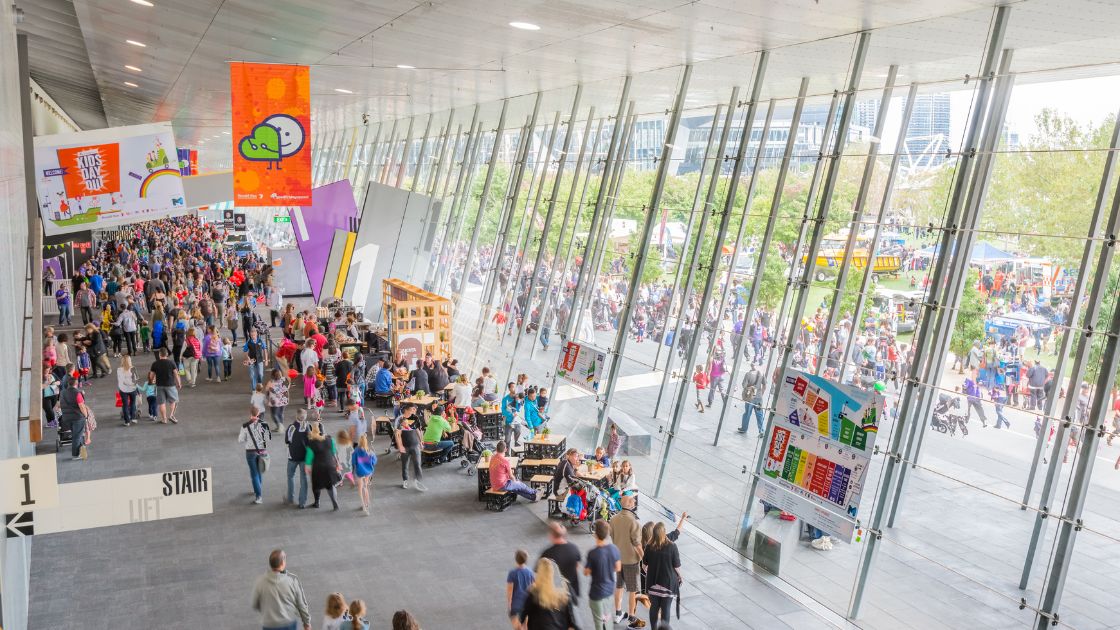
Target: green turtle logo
279 136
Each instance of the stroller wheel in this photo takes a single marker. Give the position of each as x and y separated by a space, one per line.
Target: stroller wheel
470 472
463 463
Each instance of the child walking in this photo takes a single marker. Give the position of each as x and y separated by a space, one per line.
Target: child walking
700 379
518 581
227 359
363 461
148 390
344 449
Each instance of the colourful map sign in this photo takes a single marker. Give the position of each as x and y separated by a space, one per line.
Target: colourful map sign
107 177
818 450
581 365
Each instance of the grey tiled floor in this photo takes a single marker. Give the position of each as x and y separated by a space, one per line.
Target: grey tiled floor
437 554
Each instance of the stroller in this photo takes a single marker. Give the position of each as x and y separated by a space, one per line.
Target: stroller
587 503
946 422
472 446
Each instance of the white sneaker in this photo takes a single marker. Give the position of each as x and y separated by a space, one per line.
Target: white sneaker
817 544
405 485
620 616
827 543
421 487
257 501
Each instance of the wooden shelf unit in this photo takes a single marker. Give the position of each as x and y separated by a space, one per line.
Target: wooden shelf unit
419 321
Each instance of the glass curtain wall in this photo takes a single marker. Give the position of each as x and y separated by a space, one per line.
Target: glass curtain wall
926 215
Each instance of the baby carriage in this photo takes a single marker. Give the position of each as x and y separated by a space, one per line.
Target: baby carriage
473 445
586 503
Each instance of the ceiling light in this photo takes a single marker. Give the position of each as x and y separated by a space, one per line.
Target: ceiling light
525 26
404 66
135 43
130 84
343 90
144 3
133 68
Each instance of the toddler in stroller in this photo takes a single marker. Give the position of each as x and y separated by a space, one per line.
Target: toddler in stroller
473 445
587 503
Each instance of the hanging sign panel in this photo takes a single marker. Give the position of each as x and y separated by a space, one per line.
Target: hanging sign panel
271 112
118 501
107 178
818 450
581 365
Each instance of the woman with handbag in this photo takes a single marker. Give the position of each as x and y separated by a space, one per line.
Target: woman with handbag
126 391
322 465
254 437
663 574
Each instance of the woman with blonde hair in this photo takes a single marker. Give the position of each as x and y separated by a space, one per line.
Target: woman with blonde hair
126 386
335 613
549 605
362 462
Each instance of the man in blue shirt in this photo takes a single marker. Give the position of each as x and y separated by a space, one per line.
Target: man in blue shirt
383 382
604 562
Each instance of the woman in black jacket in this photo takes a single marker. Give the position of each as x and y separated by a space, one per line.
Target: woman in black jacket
322 465
663 574
549 605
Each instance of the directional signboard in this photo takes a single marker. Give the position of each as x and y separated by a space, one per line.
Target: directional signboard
28 484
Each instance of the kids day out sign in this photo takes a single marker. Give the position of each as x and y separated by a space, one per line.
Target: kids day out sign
108 177
818 451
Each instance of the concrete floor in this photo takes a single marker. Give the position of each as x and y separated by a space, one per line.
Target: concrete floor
439 554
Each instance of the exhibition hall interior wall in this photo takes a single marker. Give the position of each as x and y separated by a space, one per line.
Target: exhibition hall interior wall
16 552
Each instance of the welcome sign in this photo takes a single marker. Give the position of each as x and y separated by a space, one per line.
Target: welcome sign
107 178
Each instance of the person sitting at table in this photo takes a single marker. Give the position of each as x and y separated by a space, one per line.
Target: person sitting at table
532 413
437 377
418 380
452 366
501 475
461 393
600 456
382 379
565 470
476 397
438 428
489 385
622 478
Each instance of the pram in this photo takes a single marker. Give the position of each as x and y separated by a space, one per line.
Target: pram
587 503
472 445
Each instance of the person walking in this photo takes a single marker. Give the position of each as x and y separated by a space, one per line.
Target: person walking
663 574
407 439
603 564
126 387
72 406
192 351
363 462
972 397
295 437
166 374
63 300
322 465
626 532
254 438
129 324
752 397
549 606
256 356
277 397
212 352
86 300
279 598
566 556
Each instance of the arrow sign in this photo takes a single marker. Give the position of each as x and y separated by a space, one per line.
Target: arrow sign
19 525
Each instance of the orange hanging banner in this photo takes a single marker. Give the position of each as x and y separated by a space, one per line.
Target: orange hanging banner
271 113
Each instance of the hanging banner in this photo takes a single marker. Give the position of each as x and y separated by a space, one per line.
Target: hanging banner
818 451
271 134
107 178
581 365
314 227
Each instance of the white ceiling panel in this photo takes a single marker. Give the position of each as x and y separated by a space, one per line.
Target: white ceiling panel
465 52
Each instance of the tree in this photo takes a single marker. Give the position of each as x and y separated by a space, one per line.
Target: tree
971 314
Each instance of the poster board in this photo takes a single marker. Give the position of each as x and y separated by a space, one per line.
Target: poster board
107 178
581 365
818 450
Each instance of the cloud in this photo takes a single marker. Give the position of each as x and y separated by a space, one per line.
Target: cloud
261 145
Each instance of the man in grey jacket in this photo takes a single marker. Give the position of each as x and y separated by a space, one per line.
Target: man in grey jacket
278 597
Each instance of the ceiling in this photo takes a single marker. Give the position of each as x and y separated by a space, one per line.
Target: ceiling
464 51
